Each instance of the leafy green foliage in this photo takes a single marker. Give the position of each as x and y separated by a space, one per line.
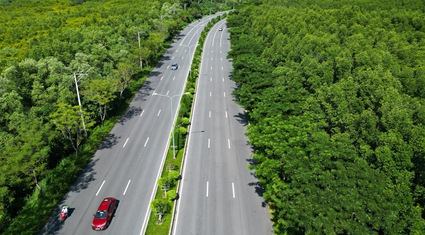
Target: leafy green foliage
42 44
332 93
101 91
160 207
168 181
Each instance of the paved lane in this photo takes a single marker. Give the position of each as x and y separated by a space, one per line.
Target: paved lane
218 192
128 163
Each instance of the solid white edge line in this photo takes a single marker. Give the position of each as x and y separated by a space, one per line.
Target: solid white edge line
147 140
195 27
207 188
125 190
184 164
125 142
100 188
233 189
221 36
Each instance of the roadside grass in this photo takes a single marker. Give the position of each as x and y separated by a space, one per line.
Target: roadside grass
153 226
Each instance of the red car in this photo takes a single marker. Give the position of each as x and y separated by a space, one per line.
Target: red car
104 213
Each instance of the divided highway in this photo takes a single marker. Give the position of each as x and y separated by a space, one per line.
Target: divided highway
219 194
129 162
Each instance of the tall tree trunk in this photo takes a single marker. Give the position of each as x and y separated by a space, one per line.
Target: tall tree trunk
36 182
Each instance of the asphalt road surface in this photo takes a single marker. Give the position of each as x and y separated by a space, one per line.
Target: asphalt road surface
219 194
129 162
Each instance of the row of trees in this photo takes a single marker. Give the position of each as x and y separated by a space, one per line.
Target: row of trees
335 96
48 49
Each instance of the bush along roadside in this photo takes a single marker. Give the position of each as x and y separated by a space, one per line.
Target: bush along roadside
39 207
163 206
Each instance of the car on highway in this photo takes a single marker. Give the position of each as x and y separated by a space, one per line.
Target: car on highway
220 29
174 66
104 213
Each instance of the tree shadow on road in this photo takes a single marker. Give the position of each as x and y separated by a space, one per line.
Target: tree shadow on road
109 141
85 178
130 113
179 36
242 118
144 91
154 73
259 191
55 224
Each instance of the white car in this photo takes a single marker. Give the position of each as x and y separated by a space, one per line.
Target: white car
174 66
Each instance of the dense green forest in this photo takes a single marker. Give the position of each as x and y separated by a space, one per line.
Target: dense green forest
335 93
46 47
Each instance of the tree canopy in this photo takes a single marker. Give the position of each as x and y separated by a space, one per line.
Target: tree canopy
334 94
47 50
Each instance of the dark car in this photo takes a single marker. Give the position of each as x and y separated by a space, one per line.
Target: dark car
174 66
104 213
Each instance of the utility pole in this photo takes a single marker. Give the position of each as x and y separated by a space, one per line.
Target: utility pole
79 101
140 58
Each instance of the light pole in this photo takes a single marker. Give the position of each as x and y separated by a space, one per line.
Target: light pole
138 38
171 115
79 101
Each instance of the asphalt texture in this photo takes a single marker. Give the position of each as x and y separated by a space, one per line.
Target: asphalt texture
128 163
218 193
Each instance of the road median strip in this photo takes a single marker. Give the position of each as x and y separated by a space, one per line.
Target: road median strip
161 221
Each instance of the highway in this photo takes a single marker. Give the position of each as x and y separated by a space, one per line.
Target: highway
219 194
128 163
